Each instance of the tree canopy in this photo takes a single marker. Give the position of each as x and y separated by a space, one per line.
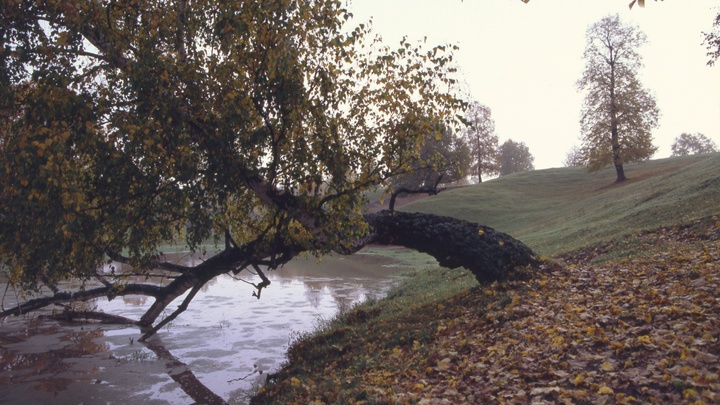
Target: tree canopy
443 158
712 41
618 114
574 157
692 144
138 123
515 157
135 123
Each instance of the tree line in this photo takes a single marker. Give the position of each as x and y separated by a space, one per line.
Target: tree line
445 156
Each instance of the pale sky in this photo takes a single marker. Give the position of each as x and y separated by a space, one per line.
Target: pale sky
523 61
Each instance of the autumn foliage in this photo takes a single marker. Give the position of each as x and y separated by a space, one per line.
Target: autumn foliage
630 321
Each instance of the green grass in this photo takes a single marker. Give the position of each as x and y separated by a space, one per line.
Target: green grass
563 209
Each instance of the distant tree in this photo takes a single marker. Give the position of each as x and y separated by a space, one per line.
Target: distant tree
462 156
515 157
443 157
618 114
574 157
480 136
692 144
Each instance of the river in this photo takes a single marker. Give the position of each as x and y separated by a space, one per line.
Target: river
225 342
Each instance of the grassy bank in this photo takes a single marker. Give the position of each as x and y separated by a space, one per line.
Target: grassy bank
629 316
558 210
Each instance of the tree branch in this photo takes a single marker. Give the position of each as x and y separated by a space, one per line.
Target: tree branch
69 315
432 190
175 314
37 303
265 281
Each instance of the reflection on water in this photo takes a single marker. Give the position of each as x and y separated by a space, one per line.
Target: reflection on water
226 338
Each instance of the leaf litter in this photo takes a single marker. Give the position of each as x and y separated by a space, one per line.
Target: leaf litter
635 320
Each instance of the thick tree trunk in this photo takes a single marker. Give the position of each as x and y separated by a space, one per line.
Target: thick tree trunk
614 131
617 158
620 172
488 254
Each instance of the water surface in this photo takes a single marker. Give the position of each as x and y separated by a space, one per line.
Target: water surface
226 341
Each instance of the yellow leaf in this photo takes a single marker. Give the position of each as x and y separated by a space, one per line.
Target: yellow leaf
648 318
558 341
578 380
607 366
605 390
481 232
690 394
645 339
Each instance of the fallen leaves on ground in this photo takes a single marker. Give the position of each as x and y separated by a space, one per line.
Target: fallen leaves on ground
634 321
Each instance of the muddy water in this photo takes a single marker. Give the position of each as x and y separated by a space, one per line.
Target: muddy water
223 345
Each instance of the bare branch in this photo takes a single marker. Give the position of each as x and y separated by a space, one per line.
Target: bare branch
432 190
265 281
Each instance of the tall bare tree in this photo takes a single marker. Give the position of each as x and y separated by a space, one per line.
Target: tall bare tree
618 113
480 136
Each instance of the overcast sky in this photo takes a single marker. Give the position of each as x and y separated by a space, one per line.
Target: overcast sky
523 61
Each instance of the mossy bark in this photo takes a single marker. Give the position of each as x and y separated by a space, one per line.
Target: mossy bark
490 255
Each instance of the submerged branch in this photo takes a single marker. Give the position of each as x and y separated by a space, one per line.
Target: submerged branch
182 374
70 315
61 297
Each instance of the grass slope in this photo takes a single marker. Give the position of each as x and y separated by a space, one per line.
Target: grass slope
558 210
624 320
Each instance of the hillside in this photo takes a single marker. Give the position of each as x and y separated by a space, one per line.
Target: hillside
558 210
631 317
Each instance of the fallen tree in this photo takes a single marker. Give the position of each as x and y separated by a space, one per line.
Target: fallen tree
488 254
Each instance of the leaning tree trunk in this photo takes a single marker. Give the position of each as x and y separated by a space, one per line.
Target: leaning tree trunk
490 255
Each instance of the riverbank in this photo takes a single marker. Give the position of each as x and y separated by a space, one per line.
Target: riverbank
635 320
